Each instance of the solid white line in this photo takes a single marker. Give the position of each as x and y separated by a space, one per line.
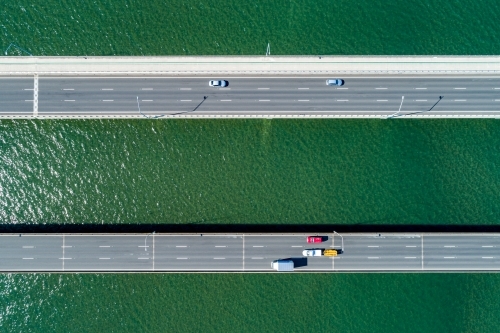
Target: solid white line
181 258
420 88
264 100
104 246
104 258
69 100
303 100
302 88
219 258
225 100
411 246
487 246
373 246
107 89
460 88
449 246
257 258
108 100
449 257
28 247
147 88
258 246
263 88
460 100
186 100
142 258
420 100
381 100
185 88
373 257
410 257
380 88
342 100
69 89
180 246
220 246
487 257
28 258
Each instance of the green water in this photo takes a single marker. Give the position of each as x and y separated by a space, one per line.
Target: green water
249 172
180 27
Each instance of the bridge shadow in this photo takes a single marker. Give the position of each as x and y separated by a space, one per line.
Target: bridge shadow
313 229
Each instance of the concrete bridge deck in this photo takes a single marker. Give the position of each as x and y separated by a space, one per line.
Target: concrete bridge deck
408 252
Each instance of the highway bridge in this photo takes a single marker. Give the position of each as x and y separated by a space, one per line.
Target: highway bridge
254 97
157 252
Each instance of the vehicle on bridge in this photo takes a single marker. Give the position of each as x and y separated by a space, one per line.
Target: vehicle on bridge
283 265
335 82
218 83
320 253
314 239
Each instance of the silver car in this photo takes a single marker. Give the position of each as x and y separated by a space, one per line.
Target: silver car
218 83
335 82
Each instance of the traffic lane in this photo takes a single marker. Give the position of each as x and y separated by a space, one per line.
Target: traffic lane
31 253
198 253
260 251
16 95
461 253
122 253
380 253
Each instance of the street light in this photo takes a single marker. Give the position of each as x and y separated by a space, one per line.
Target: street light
342 238
145 239
400 105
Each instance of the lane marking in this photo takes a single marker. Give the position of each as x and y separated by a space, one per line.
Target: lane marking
449 257
69 100
302 88
28 247
487 246
420 88
181 258
104 246
147 88
380 88
373 246
449 246
263 88
186 100
143 246
460 100
65 258
104 258
257 258
107 89
66 246
373 258
264 100
69 89
342 88
29 89
219 258
220 246
410 257
35 99
411 246
487 257
303 100
185 88
181 246
382 100
29 100
420 100
460 88
342 100
497 100
225 100
143 258
108 100
146 100
258 246
496 88
28 258
297 246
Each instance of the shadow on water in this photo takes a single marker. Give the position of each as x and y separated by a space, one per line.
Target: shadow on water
313 229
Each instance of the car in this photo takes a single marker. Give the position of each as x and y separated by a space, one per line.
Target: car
218 83
312 253
334 82
314 239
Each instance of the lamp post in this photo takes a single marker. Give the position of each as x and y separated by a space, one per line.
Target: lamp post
342 238
145 239
400 105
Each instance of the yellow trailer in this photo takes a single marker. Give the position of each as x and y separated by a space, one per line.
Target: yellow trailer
330 253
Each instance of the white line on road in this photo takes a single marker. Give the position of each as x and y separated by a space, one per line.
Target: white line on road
181 258
28 258
381 100
104 246
263 88
420 100
28 247
186 100
65 258
487 246
264 100
297 246
219 258
497 100
373 257
496 88
372 245
225 100
411 246
69 89
487 257
449 257
449 246
303 100
143 246
342 88
460 100
185 88
108 100
147 100
257 258
147 88
420 88
66 246
107 89
460 88
104 258
28 100
69 100
220 246
181 246
380 88
258 246
410 257
29 89
302 88
143 258
342 100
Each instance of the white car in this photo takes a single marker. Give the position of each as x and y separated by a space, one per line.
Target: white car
218 83
312 253
335 82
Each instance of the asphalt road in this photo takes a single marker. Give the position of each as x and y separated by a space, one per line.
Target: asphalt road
226 253
382 96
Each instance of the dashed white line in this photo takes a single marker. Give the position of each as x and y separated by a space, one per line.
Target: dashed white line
66 246
449 257
257 258
303 100
29 89
460 100
421 88
28 100
449 246
410 257
497 100
342 88
220 246
342 100
143 258
143 246
104 246
380 88
146 100
496 88
107 89
420 100
373 246
69 100
104 258
108 100
225 100
181 258
258 246
264 100
219 258
28 247
460 88
411 246
487 246
185 88
297 246
263 88
69 89
487 257
28 258
373 257
302 88
186 100
181 246
65 258
381 100
147 88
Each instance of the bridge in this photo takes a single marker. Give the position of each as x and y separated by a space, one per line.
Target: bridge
159 252
259 87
